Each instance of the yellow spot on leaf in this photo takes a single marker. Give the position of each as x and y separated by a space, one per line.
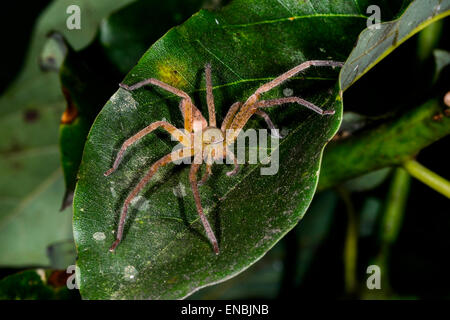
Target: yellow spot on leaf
173 280
170 75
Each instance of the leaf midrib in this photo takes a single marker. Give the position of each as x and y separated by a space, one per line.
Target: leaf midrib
293 18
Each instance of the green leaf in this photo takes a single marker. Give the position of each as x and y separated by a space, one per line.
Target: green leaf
375 44
260 281
164 253
368 181
267 277
62 254
368 217
31 186
441 61
126 34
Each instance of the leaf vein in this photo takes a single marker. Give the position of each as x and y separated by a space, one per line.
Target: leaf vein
290 19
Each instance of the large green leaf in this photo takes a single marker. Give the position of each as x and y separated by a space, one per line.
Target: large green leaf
164 253
31 184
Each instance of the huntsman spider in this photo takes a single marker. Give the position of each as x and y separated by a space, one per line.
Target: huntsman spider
207 143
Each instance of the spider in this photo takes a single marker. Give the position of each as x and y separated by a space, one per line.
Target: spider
205 141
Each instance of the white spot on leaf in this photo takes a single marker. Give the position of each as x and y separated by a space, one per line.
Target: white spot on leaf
287 92
122 100
130 273
140 203
180 190
99 236
113 192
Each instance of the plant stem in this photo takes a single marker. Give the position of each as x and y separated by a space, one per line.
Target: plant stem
428 39
428 177
351 243
392 221
395 206
389 144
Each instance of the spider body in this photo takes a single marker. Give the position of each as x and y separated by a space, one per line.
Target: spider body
203 140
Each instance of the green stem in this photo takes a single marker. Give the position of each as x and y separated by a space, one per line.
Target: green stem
428 39
389 144
351 243
392 221
428 177
395 206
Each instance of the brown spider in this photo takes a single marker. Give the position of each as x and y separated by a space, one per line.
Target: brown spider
208 143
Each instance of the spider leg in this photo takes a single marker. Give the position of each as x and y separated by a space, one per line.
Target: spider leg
300 101
176 155
294 71
177 134
210 97
194 186
269 122
241 118
249 107
230 115
236 165
207 174
188 109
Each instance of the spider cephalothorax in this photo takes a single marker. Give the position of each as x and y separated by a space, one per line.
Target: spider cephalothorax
205 141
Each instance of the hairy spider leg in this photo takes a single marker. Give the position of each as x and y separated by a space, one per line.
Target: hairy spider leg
241 119
188 109
300 101
176 155
268 121
194 186
210 96
207 174
230 115
251 106
230 154
177 134
294 71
